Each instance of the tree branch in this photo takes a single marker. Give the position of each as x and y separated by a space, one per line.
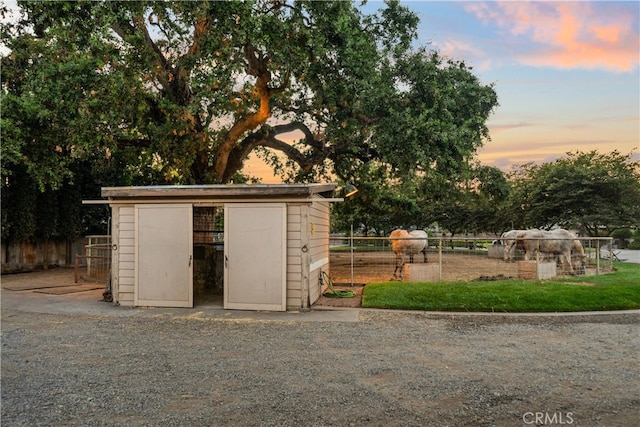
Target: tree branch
309 137
288 150
256 66
126 30
200 28
139 23
268 138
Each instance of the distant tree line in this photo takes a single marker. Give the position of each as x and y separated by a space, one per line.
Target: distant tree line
595 193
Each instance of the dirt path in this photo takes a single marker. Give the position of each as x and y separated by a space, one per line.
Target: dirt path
205 366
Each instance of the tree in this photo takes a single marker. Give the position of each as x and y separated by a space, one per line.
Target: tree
598 193
379 206
473 200
490 191
190 89
29 214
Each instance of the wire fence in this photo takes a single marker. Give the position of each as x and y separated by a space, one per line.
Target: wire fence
95 264
362 260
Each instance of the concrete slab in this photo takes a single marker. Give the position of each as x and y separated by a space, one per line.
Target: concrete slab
629 255
37 293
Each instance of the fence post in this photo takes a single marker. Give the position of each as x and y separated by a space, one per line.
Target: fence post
597 257
440 259
351 250
88 252
610 253
537 259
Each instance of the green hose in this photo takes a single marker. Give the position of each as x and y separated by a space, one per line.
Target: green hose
333 293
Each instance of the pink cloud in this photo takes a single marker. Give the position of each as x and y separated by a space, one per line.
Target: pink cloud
609 33
504 127
590 35
455 48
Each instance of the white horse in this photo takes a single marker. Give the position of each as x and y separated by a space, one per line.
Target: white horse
404 243
510 242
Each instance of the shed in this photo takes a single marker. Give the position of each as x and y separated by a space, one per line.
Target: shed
261 247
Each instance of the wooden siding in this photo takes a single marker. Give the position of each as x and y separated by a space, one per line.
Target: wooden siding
319 213
307 252
124 259
294 256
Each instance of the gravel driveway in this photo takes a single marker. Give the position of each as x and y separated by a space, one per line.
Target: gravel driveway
208 367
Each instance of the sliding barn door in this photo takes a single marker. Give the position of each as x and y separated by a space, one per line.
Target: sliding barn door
255 256
164 259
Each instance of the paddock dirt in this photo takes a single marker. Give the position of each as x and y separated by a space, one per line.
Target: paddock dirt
379 266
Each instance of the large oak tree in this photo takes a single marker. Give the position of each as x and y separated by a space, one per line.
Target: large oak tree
184 92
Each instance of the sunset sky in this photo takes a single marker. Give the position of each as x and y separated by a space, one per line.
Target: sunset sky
566 73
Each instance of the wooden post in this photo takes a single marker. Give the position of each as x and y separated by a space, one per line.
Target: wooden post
76 272
597 257
538 259
440 258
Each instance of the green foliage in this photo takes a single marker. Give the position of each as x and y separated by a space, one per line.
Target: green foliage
622 236
380 205
201 85
471 201
635 244
434 122
19 207
589 191
183 92
623 233
614 291
31 214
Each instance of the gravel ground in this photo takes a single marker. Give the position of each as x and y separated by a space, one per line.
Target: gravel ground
385 368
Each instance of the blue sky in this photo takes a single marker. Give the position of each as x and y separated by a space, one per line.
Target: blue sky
566 73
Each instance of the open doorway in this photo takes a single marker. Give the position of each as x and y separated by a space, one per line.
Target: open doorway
208 255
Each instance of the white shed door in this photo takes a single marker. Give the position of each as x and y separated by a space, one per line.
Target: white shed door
164 256
255 246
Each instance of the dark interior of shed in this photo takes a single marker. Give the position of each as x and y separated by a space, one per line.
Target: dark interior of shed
208 255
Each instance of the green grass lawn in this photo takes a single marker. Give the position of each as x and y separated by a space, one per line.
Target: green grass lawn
619 290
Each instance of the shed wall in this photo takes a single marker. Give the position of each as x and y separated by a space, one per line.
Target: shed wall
124 256
318 247
295 257
307 226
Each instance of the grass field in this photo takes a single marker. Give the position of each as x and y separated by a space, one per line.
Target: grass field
619 290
